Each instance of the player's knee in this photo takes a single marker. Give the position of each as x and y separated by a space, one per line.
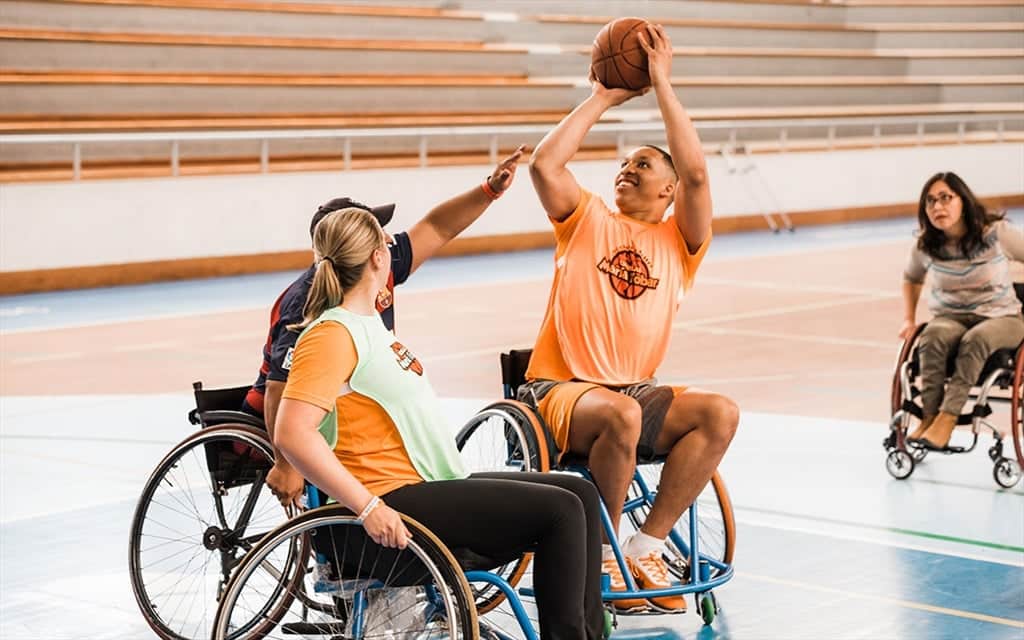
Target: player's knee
722 419
622 420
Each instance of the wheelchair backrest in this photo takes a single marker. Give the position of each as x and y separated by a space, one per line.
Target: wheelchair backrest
513 370
221 405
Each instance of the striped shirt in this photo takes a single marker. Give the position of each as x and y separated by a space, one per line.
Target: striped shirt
980 284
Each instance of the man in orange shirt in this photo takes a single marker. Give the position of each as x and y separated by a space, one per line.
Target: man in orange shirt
618 280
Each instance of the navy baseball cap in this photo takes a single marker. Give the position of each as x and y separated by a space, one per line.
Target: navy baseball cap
383 213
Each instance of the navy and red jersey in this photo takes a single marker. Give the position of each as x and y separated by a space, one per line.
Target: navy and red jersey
277 352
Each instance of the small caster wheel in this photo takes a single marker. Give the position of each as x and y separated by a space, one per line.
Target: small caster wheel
707 606
900 464
609 623
918 453
1006 473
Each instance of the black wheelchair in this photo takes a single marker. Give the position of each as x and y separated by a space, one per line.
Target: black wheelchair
203 508
206 509
1001 381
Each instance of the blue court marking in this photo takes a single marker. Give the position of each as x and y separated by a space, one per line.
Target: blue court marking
891 573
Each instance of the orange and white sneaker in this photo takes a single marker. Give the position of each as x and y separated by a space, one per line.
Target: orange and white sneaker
618 583
651 572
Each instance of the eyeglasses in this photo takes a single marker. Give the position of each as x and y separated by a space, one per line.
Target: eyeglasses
942 198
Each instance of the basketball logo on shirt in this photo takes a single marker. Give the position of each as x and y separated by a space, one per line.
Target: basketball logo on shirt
406 360
629 273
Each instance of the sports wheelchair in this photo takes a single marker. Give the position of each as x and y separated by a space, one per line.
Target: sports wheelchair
318 575
1001 381
203 508
509 435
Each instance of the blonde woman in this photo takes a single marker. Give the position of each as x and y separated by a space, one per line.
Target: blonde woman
394 452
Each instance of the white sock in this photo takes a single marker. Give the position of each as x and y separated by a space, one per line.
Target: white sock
607 553
640 544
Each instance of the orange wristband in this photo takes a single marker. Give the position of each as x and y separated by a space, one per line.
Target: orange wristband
491 193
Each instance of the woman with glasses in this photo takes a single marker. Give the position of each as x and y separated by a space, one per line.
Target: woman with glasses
966 249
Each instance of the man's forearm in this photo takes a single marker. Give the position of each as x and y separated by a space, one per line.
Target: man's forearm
561 143
683 141
453 216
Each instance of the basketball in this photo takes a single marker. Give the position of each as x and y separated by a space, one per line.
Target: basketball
617 60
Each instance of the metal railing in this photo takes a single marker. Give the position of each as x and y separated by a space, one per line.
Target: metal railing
622 129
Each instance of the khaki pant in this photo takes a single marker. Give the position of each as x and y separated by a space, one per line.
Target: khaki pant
978 337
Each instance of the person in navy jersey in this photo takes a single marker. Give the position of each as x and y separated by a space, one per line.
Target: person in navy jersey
409 249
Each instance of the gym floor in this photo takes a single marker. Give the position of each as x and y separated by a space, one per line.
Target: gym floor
798 328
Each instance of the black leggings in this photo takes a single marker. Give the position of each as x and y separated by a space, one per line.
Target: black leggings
501 515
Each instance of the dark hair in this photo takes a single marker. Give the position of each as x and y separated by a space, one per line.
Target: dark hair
666 156
975 216
337 204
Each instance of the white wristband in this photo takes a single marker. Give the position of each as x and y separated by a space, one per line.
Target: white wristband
370 506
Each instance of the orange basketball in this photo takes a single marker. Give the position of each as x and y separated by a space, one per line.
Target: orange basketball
617 59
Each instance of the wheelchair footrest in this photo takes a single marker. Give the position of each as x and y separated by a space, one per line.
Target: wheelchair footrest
313 628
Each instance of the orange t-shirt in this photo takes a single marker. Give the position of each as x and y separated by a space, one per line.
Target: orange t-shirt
369 444
616 290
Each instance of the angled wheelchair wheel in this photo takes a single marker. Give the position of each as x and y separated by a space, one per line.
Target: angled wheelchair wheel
716 523
1017 408
203 508
364 590
505 436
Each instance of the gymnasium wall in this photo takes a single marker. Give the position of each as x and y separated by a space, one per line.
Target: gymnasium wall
66 225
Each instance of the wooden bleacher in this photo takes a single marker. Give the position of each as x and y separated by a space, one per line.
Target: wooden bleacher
822 60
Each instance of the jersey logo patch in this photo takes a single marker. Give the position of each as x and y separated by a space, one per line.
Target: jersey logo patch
406 360
287 364
629 273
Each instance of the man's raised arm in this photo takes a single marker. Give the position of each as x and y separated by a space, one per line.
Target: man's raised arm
555 185
692 206
451 217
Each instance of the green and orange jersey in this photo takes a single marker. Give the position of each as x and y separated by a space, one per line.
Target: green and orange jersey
390 428
616 290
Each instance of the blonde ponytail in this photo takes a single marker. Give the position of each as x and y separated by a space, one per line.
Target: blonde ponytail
344 241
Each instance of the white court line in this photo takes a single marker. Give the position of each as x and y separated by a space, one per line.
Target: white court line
47 357
774 311
122 319
782 286
699 381
907 604
441 357
238 337
874 344
146 346
815 527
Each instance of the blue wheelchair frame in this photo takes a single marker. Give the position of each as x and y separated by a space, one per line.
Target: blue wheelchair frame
700 581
